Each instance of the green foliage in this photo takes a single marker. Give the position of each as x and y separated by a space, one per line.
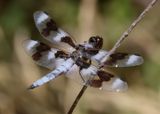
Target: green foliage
118 14
151 74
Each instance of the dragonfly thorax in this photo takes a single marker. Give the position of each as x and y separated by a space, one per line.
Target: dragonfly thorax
80 58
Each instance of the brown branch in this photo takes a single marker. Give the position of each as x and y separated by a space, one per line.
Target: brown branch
117 44
77 99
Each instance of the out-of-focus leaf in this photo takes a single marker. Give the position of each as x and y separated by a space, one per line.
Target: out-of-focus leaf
152 74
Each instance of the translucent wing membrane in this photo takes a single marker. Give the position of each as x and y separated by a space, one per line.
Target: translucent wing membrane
61 69
97 78
123 60
74 74
106 81
88 73
49 30
43 54
81 76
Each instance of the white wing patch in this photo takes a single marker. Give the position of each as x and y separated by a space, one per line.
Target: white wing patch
131 60
134 59
59 36
115 84
40 17
29 46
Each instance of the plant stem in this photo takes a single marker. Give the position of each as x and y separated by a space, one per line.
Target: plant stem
77 99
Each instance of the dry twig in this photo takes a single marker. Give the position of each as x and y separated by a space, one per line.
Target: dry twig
117 44
77 99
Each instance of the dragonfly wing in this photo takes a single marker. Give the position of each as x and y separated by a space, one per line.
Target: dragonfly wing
103 80
97 78
43 54
108 82
123 60
50 31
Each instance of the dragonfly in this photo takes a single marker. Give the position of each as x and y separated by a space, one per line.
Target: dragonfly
79 62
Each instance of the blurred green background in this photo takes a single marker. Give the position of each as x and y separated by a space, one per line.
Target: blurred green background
81 18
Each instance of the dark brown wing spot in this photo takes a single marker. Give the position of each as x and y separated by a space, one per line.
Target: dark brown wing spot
39 49
119 55
91 51
50 26
36 56
95 83
61 54
115 57
104 76
68 40
42 47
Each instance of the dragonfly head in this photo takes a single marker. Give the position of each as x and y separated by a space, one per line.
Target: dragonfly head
96 42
